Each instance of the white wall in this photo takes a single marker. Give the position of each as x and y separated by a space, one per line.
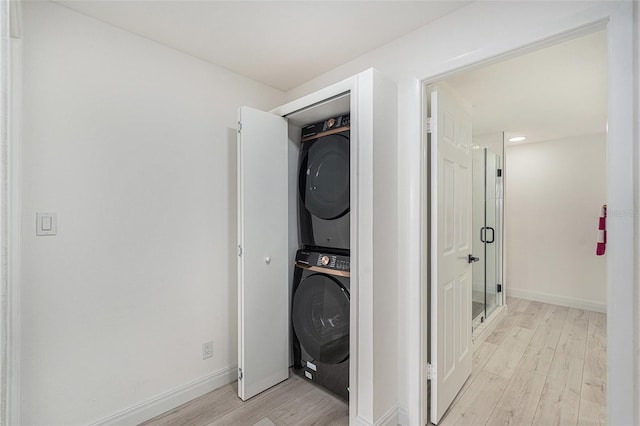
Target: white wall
555 190
479 32
133 145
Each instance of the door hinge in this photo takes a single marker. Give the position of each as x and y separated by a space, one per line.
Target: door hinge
499 288
239 127
240 375
239 251
428 124
499 172
431 372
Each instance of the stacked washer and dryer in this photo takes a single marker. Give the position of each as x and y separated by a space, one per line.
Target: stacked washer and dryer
320 303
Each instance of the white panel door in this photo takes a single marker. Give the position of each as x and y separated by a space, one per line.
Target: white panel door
451 350
263 310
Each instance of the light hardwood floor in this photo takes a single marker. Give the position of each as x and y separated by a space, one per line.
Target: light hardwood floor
539 365
293 402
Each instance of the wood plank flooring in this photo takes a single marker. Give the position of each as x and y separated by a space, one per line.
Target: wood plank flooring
540 365
292 402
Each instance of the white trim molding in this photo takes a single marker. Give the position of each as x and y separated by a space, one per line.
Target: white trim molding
587 305
4 210
162 403
14 171
622 227
636 283
11 207
390 418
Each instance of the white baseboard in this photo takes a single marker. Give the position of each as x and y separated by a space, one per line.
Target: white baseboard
363 422
171 399
587 305
390 418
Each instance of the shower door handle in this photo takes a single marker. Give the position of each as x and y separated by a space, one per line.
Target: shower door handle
483 234
472 259
493 234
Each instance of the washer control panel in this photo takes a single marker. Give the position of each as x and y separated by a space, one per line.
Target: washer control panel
323 260
328 124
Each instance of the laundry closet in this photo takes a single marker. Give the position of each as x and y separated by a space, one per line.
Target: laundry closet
271 231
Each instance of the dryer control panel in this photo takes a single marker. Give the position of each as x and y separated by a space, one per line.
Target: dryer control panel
323 260
328 126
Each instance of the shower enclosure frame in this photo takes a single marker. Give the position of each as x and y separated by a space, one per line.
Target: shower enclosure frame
488 230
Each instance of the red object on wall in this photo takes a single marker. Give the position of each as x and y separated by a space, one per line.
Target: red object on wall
601 246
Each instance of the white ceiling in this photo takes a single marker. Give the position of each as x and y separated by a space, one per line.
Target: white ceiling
552 93
279 43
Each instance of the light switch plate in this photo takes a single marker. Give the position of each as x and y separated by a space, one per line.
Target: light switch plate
46 224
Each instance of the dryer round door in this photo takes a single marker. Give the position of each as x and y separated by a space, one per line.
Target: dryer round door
324 177
320 316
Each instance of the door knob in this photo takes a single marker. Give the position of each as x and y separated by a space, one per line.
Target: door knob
267 260
472 259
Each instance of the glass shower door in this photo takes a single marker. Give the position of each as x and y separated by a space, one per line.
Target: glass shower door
478 247
491 231
487 232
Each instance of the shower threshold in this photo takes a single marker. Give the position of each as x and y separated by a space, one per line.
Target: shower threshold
480 328
477 310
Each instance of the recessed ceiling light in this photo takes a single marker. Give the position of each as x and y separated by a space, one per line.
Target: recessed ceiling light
517 139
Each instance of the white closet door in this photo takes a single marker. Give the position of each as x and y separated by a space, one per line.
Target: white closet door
451 350
263 310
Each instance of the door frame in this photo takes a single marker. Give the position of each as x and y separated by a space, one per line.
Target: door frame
622 333
373 143
11 87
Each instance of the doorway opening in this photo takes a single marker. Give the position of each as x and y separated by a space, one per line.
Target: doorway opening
556 98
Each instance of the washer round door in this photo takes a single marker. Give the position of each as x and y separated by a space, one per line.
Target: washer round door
324 177
320 316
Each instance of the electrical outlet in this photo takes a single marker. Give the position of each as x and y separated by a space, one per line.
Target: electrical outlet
207 350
